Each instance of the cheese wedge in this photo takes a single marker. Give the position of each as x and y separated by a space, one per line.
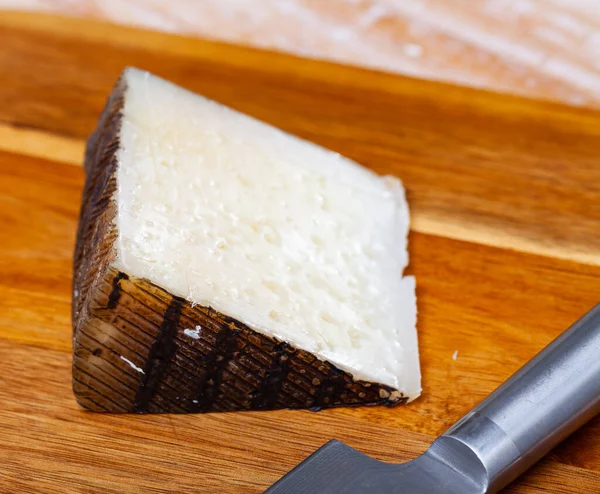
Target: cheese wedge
222 264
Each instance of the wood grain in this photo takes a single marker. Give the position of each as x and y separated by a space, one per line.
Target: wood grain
495 165
229 453
538 48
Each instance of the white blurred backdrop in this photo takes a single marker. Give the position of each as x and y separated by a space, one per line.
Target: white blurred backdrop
537 48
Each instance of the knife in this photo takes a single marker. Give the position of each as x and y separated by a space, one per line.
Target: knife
546 400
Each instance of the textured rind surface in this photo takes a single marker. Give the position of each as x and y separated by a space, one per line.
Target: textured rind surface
131 352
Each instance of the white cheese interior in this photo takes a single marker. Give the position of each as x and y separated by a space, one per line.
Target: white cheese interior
287 237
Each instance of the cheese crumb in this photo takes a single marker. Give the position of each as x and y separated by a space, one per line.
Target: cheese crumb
132 365
193 333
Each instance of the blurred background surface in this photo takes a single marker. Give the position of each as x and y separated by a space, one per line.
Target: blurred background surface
546 49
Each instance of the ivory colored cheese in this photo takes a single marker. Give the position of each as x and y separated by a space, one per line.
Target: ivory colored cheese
291 240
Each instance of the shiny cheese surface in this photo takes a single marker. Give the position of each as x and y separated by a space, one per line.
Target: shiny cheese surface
291 239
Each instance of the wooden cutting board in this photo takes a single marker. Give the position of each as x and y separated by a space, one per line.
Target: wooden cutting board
505 245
